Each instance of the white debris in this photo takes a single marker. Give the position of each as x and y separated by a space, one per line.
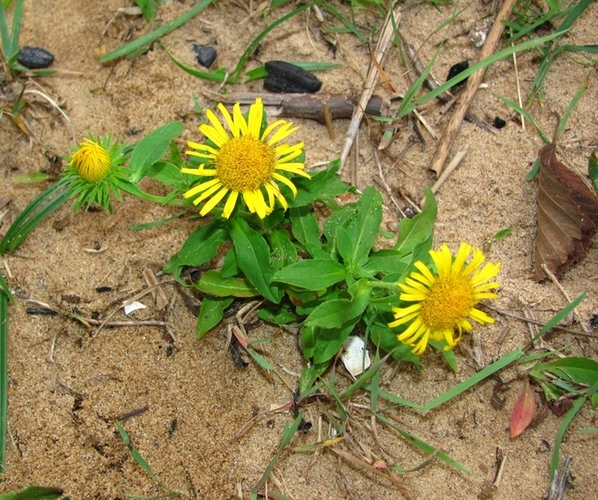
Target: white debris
355 356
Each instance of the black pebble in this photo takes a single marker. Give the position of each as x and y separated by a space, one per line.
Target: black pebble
455 70
35 57
498 122
286 77
204 54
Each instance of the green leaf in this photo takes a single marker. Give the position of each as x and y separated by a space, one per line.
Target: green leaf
336 313
418 230
324 182
575 369
253 258
152 148
169 174
386 339
284 252
200 247
330 340
277 315
312 274
363 227
386 261
33 493
31 178
309 375
211 313
305 229
213 284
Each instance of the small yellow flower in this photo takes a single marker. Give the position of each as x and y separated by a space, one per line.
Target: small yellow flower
246 161
91 160
444 302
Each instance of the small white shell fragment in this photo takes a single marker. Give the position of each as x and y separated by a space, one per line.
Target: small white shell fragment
353 356
133 306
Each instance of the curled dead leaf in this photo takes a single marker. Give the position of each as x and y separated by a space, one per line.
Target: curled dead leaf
567 216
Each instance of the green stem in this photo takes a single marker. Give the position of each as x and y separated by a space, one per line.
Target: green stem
3 376
383 284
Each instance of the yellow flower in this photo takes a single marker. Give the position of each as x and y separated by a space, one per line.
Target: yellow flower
92 161
247 161
444 302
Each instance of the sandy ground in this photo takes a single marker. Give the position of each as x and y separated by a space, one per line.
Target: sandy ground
68 386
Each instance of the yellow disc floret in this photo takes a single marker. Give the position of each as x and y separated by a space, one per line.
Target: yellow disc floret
245 163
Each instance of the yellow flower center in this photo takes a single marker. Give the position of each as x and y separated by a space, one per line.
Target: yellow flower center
448 302
92 161
245 163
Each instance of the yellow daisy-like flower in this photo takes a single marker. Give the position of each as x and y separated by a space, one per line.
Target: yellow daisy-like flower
245 161
91 160
443 303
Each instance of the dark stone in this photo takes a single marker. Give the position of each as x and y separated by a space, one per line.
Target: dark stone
204 54
455 70
498 122
284 77
35 57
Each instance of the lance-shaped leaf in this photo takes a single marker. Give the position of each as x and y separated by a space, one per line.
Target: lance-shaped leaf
523 412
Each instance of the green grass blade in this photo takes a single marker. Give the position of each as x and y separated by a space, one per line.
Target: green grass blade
408 107
549 55
4 288
558 317
523 112
30 224
422 445
570 107
326 6
17 18
21 219
288 434
5 34
216 76
3 377
253 45
154 35
554 461
521 31
474 379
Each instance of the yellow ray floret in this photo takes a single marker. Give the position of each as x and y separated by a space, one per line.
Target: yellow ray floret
245 160
440 305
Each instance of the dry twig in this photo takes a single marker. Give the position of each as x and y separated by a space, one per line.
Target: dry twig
470 89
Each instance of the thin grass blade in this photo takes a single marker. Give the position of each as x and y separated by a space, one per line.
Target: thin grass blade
253 45
154 35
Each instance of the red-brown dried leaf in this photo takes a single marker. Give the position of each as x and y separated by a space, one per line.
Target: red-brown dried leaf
523 411
567 216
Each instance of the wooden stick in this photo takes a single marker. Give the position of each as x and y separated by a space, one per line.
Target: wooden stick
473 83
309 106
384 41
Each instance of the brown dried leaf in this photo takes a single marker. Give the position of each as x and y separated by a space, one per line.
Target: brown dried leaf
523 412
567 216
